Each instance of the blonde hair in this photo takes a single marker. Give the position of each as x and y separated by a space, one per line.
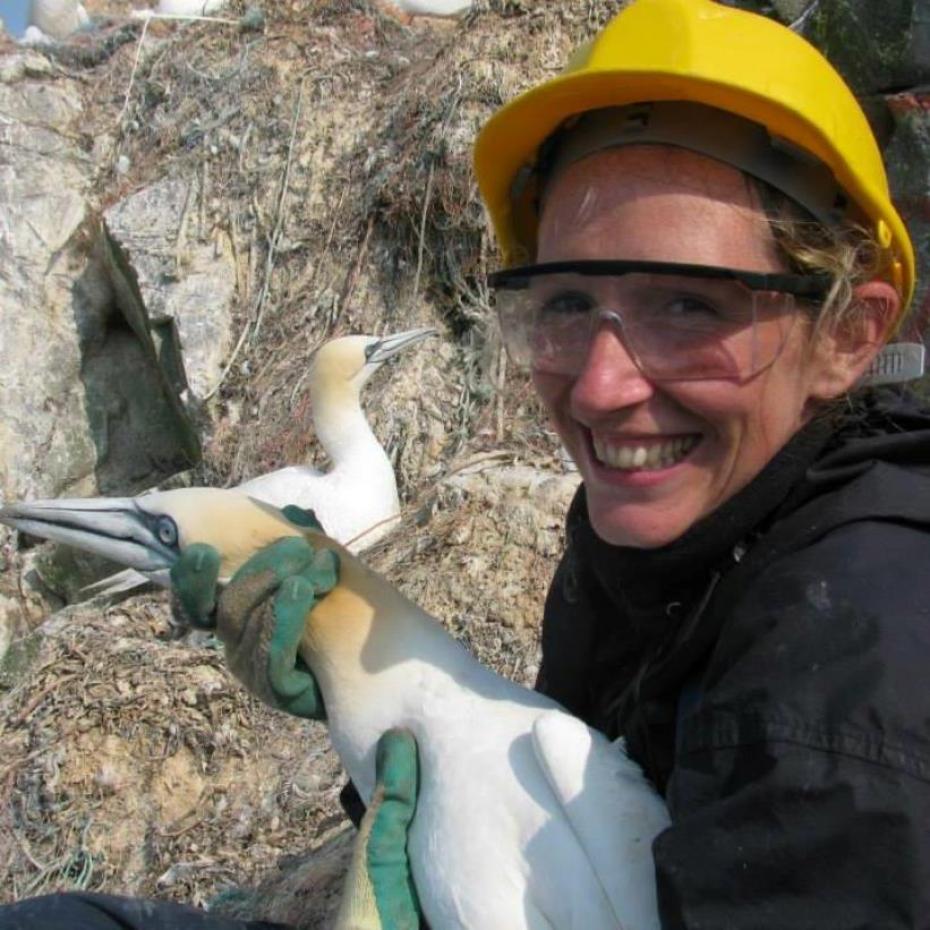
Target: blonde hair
848 252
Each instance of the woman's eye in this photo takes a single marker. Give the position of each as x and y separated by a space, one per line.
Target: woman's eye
167 531
565 304
691 308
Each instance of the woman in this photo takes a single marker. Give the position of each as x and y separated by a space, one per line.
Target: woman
701 264
743 592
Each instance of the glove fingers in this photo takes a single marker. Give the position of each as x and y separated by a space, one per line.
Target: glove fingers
397 772
283 558
194 579
323 572
296 597
293 685
379 892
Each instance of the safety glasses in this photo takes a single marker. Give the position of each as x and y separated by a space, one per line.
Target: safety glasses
678 322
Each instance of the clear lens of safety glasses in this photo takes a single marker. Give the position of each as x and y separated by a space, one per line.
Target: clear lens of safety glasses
678 322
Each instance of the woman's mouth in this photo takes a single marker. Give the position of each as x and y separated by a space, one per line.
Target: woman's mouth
643 454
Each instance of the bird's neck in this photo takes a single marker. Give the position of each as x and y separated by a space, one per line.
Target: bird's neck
344 431
380 662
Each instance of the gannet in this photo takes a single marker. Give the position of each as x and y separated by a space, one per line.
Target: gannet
356 500
58 19
526 818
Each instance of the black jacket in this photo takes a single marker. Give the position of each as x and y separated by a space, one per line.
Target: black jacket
771 672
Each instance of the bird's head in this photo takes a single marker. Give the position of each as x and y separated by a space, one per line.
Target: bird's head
148 533
349 361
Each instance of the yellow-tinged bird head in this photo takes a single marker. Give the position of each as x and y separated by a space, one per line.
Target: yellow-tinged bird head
149 532
349 361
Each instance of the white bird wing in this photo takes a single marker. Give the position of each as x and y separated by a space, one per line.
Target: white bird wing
353 510
302 485
613 810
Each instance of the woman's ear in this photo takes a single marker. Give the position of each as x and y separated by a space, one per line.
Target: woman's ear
845 349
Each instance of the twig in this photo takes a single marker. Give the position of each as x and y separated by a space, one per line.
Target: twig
421 248
329 239
243 145
396 518
148 15
241 278
230 363
501 378
279 218
496 457
181 238
357 267
799 24
37 700
132 74
27 852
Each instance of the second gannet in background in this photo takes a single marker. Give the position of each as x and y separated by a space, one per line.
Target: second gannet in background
58 19
356 501
526 818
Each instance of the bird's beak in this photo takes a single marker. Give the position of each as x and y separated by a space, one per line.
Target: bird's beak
113 527
380 351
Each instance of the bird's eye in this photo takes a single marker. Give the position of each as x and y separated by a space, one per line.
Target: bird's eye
167 531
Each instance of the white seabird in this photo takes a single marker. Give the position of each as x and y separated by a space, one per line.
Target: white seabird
57 19
356 500
526 819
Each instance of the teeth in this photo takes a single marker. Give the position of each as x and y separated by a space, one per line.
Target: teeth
646 456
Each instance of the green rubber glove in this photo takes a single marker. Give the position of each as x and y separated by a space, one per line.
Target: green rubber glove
260 614
379 892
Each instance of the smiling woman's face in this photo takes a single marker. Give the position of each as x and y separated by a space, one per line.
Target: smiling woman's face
711 437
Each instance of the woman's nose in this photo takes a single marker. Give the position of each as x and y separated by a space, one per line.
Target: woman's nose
609 379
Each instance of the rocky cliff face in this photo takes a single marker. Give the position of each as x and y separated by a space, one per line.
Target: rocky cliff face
186 212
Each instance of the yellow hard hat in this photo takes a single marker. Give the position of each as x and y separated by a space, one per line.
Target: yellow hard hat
699 52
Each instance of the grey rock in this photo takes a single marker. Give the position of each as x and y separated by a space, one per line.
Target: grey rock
90 385
46 446
186 281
